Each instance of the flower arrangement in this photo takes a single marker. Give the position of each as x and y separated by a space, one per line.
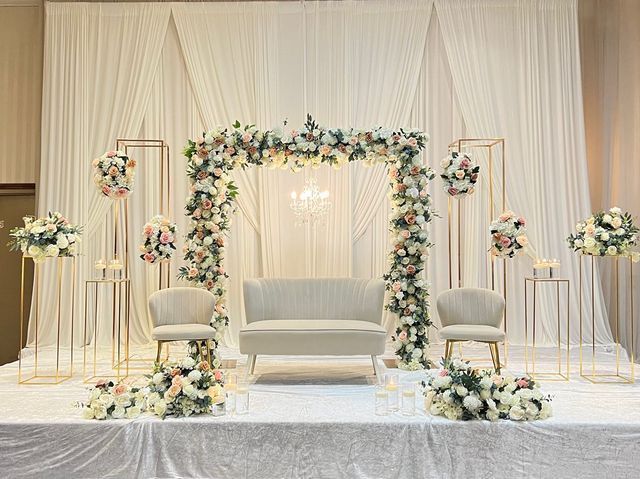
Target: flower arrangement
611 233
114 173
159 237
508 235
460 174
47 237
184 388
458 392
213 156
108 400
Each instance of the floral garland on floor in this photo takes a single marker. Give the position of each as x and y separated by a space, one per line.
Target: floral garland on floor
47 237
611 233
459 392
212 157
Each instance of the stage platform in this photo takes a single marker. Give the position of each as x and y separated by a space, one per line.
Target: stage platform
313 418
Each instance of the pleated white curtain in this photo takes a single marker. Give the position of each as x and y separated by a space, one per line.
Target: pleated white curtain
99 64
350 63
536 103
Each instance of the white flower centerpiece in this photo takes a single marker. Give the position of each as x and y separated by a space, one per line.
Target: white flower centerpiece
113 174
48 237
610 233
212 157
459 392
460 174
108 400
159 240
508 235
184 388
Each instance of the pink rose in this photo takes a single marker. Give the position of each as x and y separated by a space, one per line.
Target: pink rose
177 380
165 238
402 336
452 191
207 204
423 193
119 389
443 373
113 171
394 173
465 163
175 372
522 221
111 154
101 383
414 170
405 234
246 137
106 191
411 269
215 228
412 142
209 284
505 216
197 213
396 286
217 171
497 379
218 375
203 366
95 162
230 150
199 140
410 218
505 242
174 390
193 272
325 150
149 257
148 230
474 177
523 383
122 192
220 308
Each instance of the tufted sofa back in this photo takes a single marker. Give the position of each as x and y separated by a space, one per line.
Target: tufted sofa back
314 298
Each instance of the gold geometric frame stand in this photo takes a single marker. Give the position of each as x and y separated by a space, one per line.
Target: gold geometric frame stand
120 314
563 371
495 148
607 377
59 376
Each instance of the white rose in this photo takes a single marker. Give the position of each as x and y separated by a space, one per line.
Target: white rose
615 210
94 394
153 398
158 378
188 362
445 162
604 236
62 242
208 240
195 375
531 411
607 219
616 222
190 391
526 394
459 174
34 251
493 415
99 411
118 412
106 400
133 412
461 390
441 382
160 408
123 400
472 403
545 411
516 413
486 382
612 250
485 394
52 250
87 413
589 242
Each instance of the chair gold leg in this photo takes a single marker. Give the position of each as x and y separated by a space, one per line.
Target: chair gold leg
497 350
447 349
199 346
208 346
159 351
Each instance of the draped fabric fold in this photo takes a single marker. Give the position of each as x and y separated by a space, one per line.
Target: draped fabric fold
99 63
537 105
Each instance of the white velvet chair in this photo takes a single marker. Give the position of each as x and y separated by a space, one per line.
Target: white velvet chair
471 314
182 314
313 316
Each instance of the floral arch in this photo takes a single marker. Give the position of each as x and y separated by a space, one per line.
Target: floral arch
211 203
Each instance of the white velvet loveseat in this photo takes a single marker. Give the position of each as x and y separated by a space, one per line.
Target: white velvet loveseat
318 316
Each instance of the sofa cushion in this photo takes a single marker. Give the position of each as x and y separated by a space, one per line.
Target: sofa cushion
312 337
471 332
183 332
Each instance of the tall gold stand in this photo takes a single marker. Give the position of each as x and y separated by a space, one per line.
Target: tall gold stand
562 372
120 290
60 375
596 375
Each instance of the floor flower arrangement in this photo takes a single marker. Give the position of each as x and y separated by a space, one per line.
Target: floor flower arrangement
459 392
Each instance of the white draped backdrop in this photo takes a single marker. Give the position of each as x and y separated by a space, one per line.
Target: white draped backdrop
453 68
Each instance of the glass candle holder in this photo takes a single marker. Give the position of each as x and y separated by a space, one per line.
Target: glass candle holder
392 387
230 389
101 268
409 400
242 399
382 402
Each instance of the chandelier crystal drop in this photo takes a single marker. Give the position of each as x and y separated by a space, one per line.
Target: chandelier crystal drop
312 204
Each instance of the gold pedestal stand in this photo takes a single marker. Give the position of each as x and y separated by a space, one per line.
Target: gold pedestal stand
60 375
595 375
120 290
562 372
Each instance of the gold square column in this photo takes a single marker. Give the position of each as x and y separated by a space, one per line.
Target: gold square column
563 371
60 375
596 375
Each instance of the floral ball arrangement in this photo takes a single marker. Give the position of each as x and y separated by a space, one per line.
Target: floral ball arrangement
114 173
460 174
159 240
47 237
459 392
611 233
508 235
108 400
184 388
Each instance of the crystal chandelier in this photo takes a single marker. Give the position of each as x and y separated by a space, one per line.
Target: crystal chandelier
312 203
